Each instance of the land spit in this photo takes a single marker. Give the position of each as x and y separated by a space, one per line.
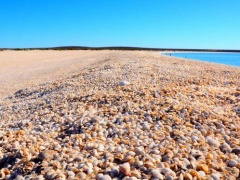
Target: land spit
21 69
123 115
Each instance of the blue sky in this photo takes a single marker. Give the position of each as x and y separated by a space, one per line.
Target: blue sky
142 23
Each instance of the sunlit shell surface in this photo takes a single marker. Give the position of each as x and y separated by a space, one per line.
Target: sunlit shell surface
131 116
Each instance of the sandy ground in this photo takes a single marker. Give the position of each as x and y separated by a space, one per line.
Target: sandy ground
22 69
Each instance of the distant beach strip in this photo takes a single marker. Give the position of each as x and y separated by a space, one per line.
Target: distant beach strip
232 59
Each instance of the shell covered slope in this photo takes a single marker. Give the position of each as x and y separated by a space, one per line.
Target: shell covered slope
126 118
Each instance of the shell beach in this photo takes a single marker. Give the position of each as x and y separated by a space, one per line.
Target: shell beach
131 115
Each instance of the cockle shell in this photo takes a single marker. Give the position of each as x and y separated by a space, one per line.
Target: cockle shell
28 166
156 173
4 172
125 169
187 176
81 175
129 159
203 167
26 155
47 154
177 119
105 177
51 174
60 176
39 177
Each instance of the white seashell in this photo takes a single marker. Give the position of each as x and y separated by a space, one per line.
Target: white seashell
226 146
81 175
98 177
119 149
195 138
212 142
169 178
105 177
95 162
19 177
138 162
114 172
60 175
139 150
131 153
130 178
168 128
100 147
232 163
90 170
160 165
47 154
124 83
71 174
215 176
88 164
57 147
157 174
40 177
146 126
81 165
64 165
42 148
202 173
94 134
167 172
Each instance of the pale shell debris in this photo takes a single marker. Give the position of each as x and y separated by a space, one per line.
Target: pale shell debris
168 121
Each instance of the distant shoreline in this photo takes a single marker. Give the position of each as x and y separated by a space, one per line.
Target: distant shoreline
192 52
121 48
195 57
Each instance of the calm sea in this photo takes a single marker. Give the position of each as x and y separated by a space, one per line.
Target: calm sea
232 59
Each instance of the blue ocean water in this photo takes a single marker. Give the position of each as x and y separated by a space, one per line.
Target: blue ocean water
232 59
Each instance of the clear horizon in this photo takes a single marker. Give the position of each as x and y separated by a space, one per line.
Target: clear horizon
137 23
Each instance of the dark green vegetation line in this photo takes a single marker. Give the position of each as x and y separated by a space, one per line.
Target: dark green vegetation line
118 48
